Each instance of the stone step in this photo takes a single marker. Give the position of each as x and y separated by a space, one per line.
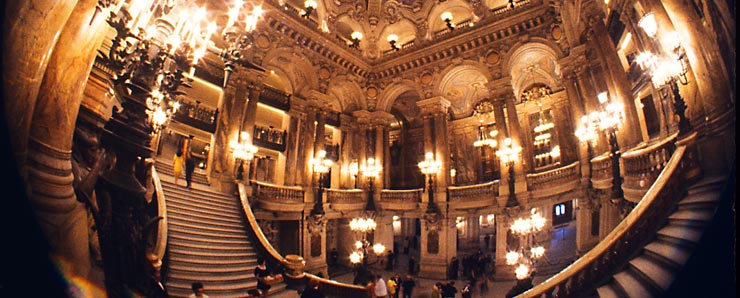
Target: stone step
682 235
249 261
179 237
711 184
240 271
606 291
673 254
631 285
185 251
223 232
193 209
703 200
181 290
691 217
215 198
208 221
658 276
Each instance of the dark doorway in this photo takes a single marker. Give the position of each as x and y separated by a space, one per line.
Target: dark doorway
562 213
289 232
652 121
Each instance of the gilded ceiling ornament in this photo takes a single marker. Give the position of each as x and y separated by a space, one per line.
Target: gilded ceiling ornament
391 12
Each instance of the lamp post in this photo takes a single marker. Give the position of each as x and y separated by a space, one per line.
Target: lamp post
607 119
430 167
667 67
354 170
243 151
509 154
238 38
526 255
320 165
371 170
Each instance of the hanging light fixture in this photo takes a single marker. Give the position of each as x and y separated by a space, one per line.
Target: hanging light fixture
528 252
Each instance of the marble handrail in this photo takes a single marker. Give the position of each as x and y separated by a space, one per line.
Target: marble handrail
279 193
345 195
650 160
477 191
329 287
401 195
579 278
544 180
160 243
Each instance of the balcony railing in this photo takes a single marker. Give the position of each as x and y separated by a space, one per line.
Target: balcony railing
473 192
278 193
275 98
333 118
554 178
588 272
641 167
270 138
345 196
196 115
401 196
332 152
601 171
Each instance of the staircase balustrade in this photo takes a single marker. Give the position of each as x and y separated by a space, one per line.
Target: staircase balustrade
601 170
160 242
642 166
401 196
581 278
345 196
278 193
291 266
554 178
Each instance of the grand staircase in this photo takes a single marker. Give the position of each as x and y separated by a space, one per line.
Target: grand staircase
207 240
652 272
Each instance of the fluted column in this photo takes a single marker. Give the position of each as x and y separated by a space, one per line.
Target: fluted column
345 150
231 109
250 112
436 141
296 130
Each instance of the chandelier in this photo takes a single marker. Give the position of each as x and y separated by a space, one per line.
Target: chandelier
528 252
483 111
363 226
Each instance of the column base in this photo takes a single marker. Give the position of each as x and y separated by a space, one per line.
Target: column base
433 269
224 184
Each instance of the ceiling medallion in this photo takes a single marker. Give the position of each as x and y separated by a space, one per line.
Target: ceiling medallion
557 33
493 58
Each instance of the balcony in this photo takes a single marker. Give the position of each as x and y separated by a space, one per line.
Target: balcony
473 196
555 181
400 200
346 199
278 198
196 115
275 98
270 138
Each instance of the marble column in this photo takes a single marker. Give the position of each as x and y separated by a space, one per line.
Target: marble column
250 109
43 91
296 128
347 128
314 248
436 141
228 128
308 139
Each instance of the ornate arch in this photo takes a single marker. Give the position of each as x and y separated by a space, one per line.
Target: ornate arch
464 85
348 93
295 67
392 91
534 62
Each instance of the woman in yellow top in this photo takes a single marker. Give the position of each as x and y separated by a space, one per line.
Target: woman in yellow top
177 163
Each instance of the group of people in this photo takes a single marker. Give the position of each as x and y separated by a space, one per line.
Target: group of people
394 287
476 267
184 157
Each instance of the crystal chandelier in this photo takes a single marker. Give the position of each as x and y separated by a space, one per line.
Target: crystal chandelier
363 226
484 111
528 252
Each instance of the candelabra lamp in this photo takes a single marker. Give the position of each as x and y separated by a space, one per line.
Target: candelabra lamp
309 6
667 67
447 18
371 170
356 37
243 151
392 40
430 167
354 170
509 155
525 256
608 119
321 165
238 36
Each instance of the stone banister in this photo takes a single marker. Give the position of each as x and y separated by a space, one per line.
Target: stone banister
601 171
274 192
583 276
345 195
403 195
551 178
160 243
459 193
291 265
640 167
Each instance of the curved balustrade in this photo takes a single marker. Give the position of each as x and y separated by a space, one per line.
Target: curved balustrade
601 172
274 197
554 181
407 199
160 243
346 199
473 196
641 167
291 266
582 277
505 9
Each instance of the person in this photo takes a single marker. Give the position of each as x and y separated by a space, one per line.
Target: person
467 290
334 257
262 274
389 261
155 288
177 162
454 267
449 290
198 290
253 293
398 281
487 240
313 290
381 290
392 287
189 163
412 265
408 286
436 290
406 246
521 286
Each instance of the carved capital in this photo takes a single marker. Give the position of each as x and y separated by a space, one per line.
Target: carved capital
434 105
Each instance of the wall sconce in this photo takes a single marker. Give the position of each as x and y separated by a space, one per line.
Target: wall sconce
447 18
310 5
393 39
356 37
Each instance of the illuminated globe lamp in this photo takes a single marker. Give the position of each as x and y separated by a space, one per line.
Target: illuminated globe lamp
509 154
320 165
430 167
363 226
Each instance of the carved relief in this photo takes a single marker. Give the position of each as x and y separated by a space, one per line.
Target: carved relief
433 242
